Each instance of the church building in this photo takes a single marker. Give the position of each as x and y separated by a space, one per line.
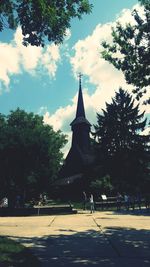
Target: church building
79 157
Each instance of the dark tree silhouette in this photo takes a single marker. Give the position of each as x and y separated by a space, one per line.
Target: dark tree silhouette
30 154
121 147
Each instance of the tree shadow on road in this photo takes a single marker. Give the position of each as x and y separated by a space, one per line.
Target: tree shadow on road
116 246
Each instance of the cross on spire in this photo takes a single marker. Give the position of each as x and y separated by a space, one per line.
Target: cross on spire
80 76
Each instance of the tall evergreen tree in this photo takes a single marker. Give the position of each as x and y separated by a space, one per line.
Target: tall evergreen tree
121 147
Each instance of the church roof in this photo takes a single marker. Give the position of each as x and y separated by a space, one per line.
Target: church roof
80 112
80 106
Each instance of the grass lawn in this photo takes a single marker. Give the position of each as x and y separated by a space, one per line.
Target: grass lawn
13 254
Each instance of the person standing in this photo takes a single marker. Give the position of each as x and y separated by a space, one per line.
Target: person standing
40 200
44 199
139 200
4 203
84 200
119 200
126 201
92 203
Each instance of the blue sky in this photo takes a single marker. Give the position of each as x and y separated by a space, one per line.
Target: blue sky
44 81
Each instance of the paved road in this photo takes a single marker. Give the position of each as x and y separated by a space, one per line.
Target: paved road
101 239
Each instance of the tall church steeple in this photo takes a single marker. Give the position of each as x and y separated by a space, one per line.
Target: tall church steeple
80 112
80 125
80 105
79 157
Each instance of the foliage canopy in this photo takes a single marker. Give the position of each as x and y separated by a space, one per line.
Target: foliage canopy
40 19
30 154
132 44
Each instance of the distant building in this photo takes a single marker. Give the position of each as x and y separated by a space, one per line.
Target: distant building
79 157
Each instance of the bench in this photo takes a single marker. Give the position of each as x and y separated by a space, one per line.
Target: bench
111 202
106 202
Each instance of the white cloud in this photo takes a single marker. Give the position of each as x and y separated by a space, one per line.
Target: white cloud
50 58
104 76
88 61
62 118
66 148
28 56
68 34
126 15
146 131
15 58
9 62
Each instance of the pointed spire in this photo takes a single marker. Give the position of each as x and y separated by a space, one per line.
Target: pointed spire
80 105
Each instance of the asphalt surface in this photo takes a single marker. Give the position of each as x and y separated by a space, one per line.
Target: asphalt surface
83 239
